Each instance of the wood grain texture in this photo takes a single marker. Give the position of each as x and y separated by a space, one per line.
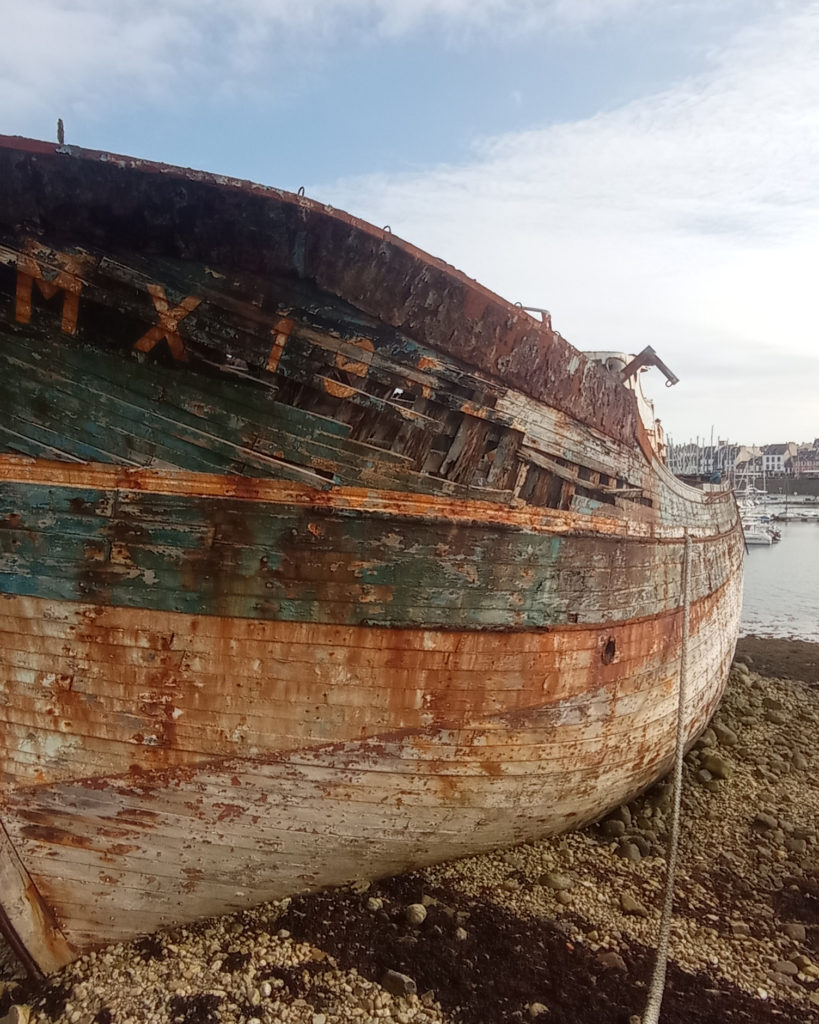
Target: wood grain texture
317 560
138 781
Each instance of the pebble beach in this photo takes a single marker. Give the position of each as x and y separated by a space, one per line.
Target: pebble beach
561 931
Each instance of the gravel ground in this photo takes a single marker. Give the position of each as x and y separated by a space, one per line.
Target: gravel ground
561 931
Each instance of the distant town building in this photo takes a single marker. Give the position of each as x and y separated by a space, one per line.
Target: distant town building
779 459
727 460
744 465
807 460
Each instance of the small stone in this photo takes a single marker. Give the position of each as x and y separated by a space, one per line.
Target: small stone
740 929
374 903
398 984
786 967
776 717
725 737
416 914
556 881
613 828
796 845
741 668
19 1013
794 931
629 851
461 934
642 845
318 1018
764 821
800 762
537 1010
623 812
704 776
707 739
629 905
612 960
717 766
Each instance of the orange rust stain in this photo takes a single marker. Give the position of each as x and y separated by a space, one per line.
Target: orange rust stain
375 594
357 368
475 304
168 326
336 389
56 836
281 331
427 363
228 812
117 850
20 469
193 878
540 670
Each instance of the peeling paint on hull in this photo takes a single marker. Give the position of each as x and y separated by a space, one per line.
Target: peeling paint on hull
317 560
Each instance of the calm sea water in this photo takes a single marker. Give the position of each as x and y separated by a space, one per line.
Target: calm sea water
781 596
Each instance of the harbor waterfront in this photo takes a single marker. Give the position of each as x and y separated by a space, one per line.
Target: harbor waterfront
781 590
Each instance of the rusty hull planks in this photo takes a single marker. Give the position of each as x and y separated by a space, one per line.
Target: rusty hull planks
439 766
343 558
317 559
252 230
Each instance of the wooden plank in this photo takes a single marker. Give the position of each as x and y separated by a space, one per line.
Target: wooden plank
25 920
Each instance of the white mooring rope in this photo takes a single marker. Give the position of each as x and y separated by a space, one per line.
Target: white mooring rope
655 989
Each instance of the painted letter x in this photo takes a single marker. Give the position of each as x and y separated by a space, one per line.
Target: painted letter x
168 326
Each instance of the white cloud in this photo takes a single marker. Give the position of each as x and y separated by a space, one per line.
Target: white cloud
64 54
688 220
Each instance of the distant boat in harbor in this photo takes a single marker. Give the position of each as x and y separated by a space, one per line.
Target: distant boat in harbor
318 560
757 535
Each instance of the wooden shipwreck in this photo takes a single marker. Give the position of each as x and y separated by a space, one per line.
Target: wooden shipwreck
317 559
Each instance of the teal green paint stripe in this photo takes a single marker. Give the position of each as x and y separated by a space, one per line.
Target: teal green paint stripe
219 556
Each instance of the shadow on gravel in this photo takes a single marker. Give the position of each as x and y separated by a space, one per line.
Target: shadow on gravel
505 963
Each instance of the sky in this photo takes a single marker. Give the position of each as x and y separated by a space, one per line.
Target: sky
647 170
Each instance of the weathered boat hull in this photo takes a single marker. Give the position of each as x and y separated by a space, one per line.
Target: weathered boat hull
300 583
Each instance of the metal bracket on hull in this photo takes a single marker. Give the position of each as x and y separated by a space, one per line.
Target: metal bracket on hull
648 357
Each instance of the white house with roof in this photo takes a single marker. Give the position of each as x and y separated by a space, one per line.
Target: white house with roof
778 459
